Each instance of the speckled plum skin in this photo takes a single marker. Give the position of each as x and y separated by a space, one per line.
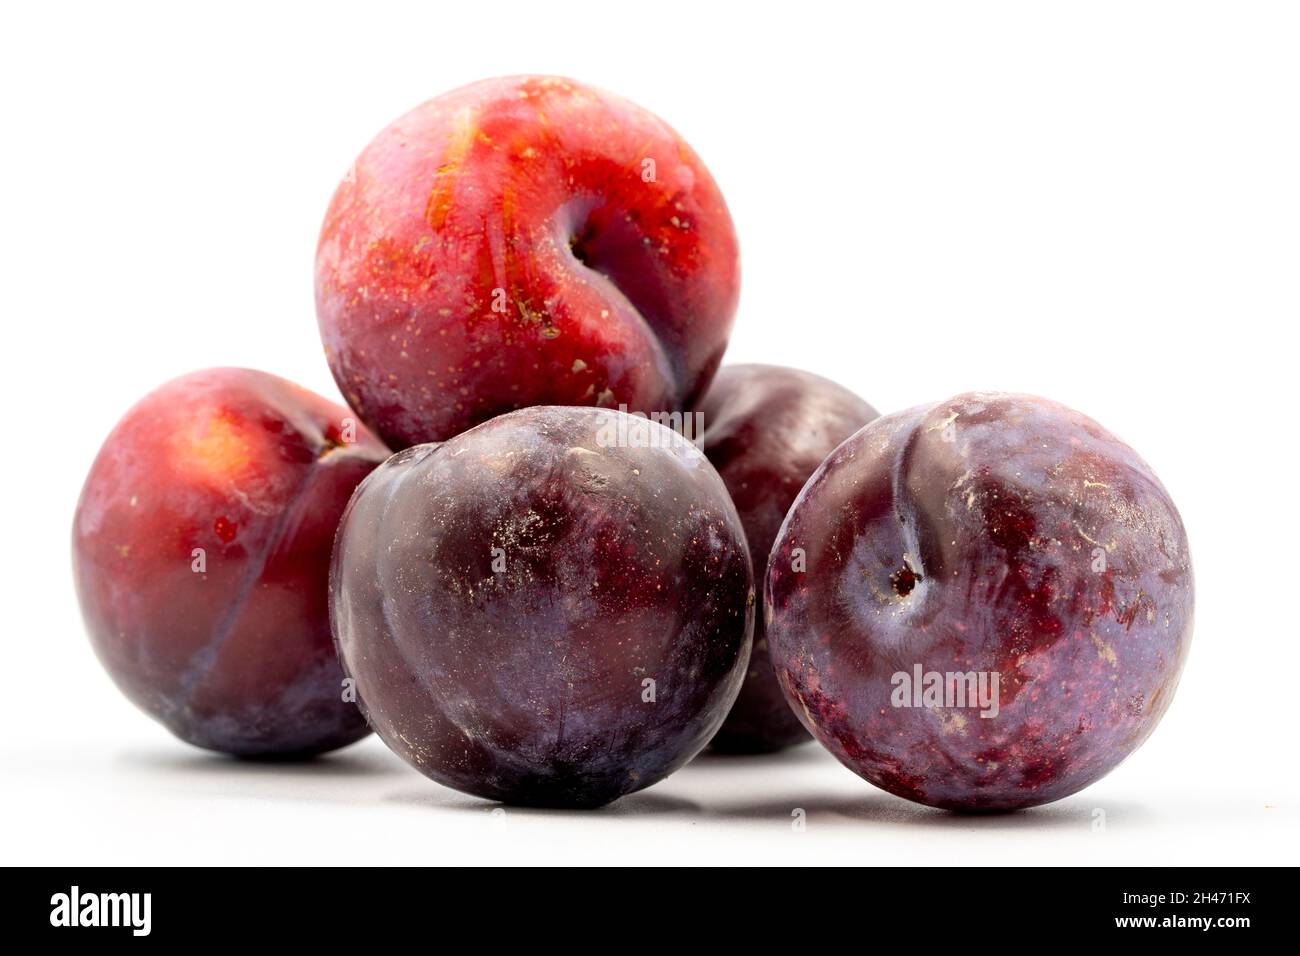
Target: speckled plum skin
523 241
505 599
201 548
990 533
767 428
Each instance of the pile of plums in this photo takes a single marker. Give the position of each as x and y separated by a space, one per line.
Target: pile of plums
591 556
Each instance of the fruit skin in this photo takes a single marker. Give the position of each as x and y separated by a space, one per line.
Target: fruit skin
501 598
613 289
970 536
767 428
235 656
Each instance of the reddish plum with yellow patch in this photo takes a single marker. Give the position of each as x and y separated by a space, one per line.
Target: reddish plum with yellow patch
982 604
523 241
201 548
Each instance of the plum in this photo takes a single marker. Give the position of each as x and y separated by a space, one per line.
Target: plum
523 241
766 429
553 608
201 548
982 604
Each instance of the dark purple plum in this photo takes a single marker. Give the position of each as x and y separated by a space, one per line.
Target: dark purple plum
553 608
982 604
201 551
767 429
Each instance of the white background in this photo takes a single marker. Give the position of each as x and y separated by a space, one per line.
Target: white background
1098 202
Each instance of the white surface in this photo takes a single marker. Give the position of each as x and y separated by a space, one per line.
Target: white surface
154 802
1097 203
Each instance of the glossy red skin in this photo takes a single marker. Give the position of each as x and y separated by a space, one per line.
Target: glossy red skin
998 526
525 684
256 472
618 291
767 429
